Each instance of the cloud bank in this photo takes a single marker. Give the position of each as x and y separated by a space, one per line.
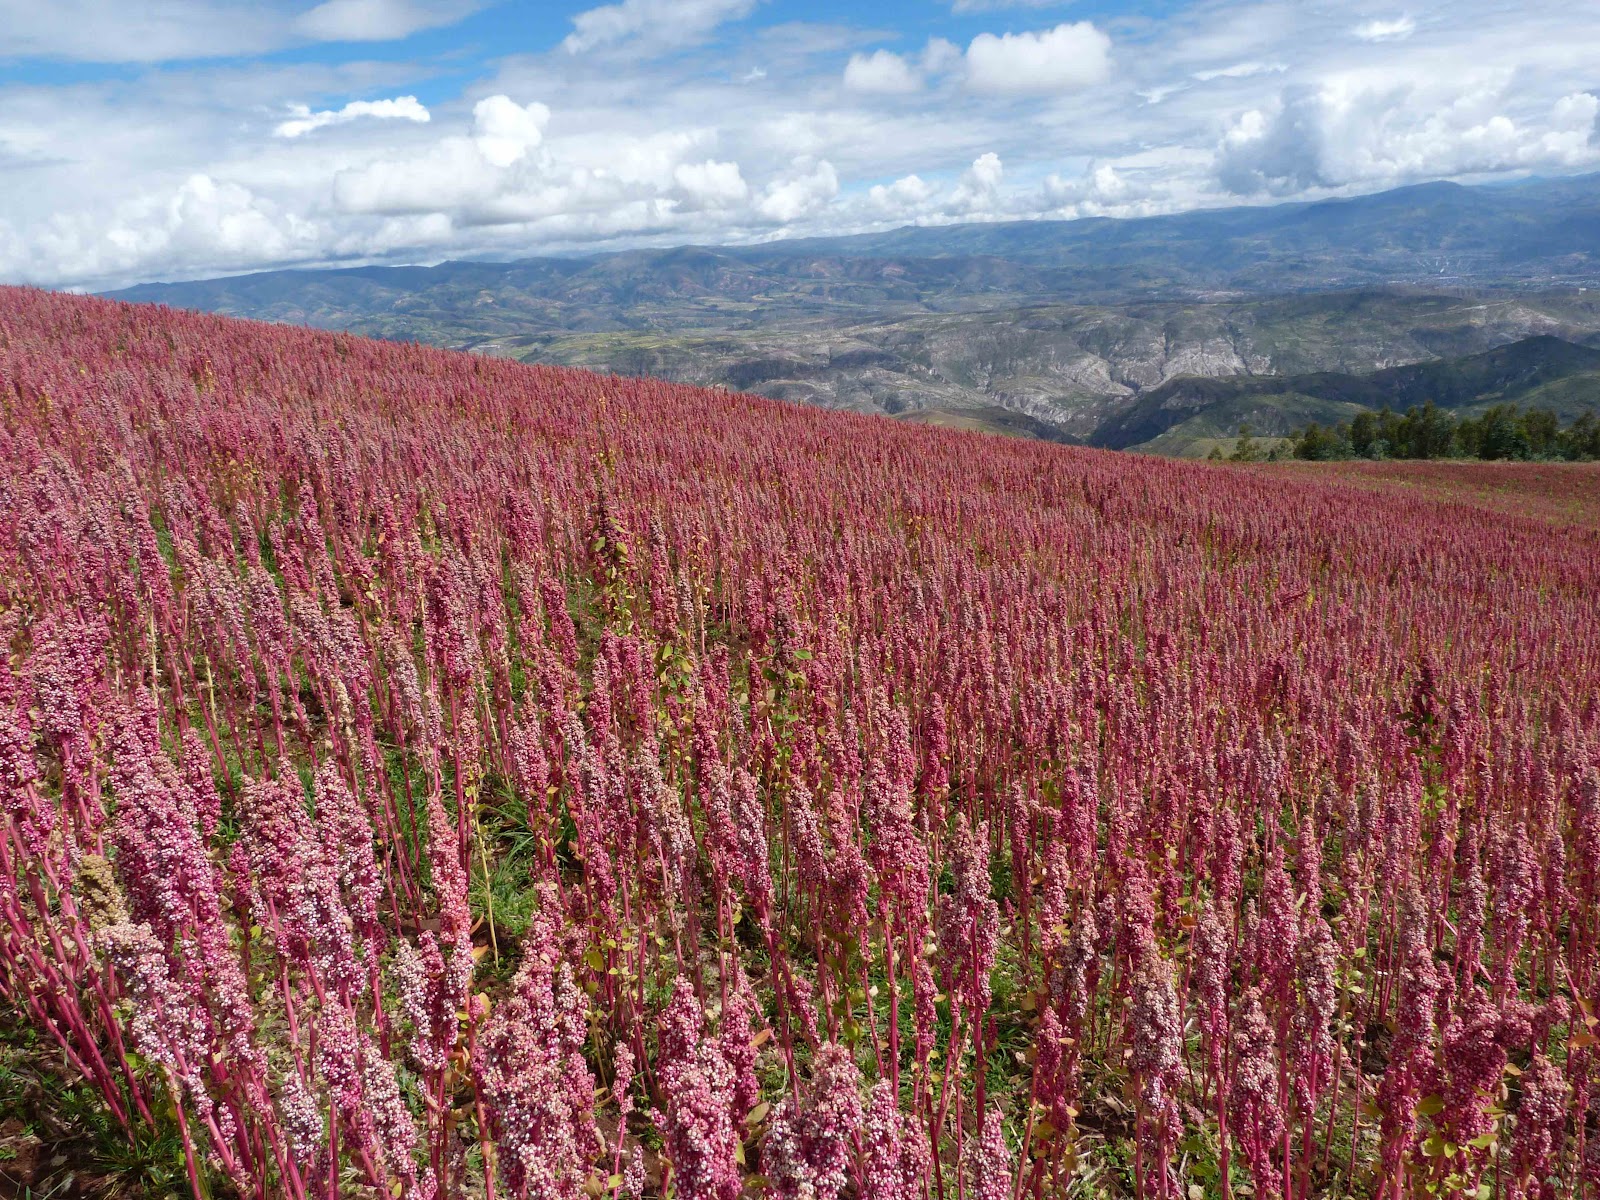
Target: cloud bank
665 121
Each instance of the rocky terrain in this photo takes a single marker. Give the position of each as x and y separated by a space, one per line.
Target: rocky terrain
1074 368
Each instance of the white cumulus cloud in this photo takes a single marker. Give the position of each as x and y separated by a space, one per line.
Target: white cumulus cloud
711 184
939 55
1062 59
810 186
883 72
1355 131
456 174
1100 191
979 189
202 223
901 198
505 130
1574 133
304 120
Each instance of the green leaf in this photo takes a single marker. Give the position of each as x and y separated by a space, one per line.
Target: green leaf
1430 1105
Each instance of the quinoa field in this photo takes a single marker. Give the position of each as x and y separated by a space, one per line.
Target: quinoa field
424 775
1561 493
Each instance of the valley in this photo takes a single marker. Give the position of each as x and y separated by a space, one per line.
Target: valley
1090 331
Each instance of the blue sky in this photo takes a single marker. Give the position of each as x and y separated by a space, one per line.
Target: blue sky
184 138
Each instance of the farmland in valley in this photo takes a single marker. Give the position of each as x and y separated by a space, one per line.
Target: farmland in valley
431 775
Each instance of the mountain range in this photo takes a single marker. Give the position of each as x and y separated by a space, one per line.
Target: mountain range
1093 330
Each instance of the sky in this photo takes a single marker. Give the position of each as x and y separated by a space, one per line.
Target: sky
180 139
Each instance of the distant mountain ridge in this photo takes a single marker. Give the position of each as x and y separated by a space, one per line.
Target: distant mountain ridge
1540 231
1051 328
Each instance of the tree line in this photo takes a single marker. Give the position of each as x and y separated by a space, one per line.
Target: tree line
1428 431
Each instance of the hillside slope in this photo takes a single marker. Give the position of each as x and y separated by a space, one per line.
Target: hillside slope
1539 371
426 775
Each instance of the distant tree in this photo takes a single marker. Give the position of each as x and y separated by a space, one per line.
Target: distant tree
1426 431
1316 444
1581 441
1541 429
1364 434
1391 440
1245 449
1500 434
1308 445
